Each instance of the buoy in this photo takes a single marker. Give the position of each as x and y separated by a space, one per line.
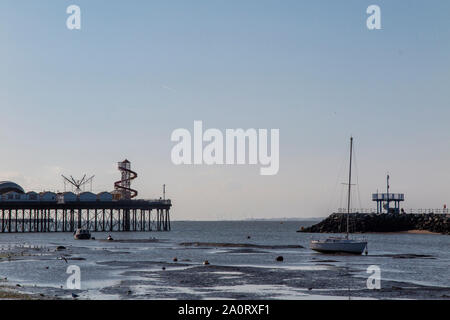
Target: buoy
280 258
175 259
206 262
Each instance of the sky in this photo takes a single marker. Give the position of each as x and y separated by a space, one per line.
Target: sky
77 102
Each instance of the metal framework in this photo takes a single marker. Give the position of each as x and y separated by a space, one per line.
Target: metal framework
77 183
132 215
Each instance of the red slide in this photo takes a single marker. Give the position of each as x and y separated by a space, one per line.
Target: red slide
124 184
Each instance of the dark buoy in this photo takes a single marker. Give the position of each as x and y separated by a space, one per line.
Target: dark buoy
164 268
109 238
175 259
206 263
248 237
280 259
74 295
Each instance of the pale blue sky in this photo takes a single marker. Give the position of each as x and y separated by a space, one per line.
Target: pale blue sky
77 102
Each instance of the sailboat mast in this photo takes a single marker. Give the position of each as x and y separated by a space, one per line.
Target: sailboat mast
349 186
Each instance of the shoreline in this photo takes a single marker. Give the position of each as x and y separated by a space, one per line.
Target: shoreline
412 231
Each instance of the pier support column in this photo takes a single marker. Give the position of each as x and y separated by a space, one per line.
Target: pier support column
126 220
9 221
79 218
56 220
111 220
168 218
95 220
103 227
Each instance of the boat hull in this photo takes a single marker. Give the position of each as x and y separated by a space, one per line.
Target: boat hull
81 234
339 246
82 237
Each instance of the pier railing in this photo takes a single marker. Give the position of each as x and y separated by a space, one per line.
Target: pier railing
406 211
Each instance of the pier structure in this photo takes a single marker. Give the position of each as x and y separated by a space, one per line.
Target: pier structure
384 200
114 216
66 212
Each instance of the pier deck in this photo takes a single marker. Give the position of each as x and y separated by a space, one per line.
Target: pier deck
97 216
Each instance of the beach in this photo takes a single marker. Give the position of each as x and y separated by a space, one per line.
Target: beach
242 259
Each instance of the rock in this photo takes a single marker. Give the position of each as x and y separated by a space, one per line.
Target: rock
362 222
74 295
280 259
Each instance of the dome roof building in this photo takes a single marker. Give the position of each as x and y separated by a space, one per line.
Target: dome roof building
8 186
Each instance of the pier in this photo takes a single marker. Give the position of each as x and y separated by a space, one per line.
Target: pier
114 211
96 216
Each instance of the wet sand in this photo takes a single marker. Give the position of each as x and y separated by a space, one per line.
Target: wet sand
320 278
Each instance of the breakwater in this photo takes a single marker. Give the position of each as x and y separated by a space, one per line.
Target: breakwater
372 222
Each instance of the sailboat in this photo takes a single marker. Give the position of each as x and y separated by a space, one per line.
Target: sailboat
342 244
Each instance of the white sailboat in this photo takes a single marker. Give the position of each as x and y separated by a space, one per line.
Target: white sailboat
342 244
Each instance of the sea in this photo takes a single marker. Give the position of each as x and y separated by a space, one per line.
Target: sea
224 260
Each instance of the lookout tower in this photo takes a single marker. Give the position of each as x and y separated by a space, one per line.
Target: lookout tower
388 201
